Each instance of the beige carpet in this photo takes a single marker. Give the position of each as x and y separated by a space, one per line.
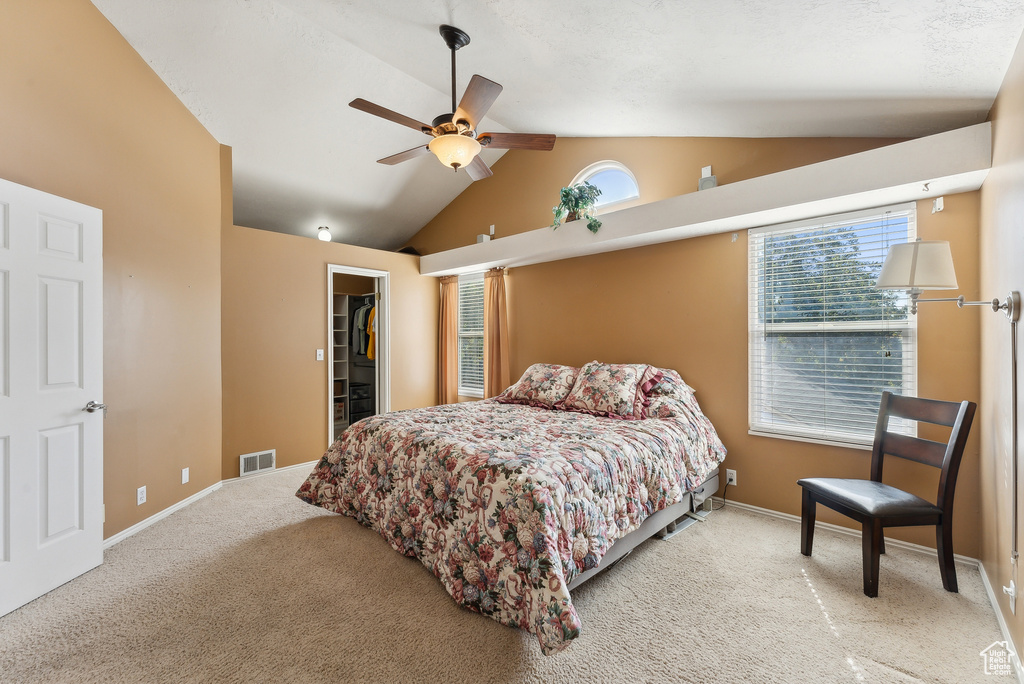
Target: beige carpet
251 585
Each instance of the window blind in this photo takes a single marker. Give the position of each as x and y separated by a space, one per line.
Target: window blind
824 343
471 335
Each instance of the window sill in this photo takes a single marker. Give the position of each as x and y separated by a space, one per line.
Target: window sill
476 394
862 446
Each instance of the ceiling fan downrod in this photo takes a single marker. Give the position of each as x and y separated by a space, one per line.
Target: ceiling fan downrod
454 38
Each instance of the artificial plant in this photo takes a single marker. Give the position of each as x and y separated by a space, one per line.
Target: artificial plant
577 201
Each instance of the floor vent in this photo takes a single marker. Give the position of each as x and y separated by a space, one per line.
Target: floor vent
257 462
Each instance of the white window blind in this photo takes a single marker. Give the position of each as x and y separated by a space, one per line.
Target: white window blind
471 335
824 343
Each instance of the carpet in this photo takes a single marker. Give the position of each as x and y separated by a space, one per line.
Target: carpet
249 584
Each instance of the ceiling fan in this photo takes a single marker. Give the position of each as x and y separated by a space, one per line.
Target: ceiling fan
455 142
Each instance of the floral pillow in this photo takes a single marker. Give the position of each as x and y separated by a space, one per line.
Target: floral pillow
542 385
670 384
612 390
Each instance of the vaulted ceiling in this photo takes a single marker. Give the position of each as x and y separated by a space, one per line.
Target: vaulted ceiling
273 79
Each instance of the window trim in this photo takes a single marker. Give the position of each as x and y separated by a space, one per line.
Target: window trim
607 165
464 390
909 326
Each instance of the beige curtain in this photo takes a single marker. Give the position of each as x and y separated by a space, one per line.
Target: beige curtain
448 342
496 362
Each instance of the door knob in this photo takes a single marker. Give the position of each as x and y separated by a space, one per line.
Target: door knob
93 407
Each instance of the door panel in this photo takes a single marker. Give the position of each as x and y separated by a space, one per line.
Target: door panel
60 336
60 482
51 356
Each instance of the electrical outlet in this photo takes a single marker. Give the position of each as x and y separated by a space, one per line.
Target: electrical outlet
184 476
730 477
140 496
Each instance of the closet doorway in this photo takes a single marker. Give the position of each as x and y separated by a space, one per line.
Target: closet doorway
358 356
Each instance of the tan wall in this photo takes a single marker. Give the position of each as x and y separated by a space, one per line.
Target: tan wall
525 184
1002 265
345 283
683 305
274 313
82 116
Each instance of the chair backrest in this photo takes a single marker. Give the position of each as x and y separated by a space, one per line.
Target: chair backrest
957 416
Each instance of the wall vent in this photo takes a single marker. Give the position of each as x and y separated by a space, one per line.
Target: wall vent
257 462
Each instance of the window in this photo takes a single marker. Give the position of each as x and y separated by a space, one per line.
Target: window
824 343
471 335
616 183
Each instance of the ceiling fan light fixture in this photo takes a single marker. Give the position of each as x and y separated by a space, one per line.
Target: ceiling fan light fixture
454 150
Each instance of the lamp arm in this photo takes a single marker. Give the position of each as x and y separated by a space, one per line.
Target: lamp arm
1010 306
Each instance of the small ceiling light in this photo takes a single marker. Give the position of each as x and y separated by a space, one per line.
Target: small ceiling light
455 150
324 234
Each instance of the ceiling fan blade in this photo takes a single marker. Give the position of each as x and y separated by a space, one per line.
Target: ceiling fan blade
478 170
518 141
404 156
384 113
477 99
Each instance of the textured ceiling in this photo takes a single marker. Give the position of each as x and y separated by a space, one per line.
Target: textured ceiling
273 78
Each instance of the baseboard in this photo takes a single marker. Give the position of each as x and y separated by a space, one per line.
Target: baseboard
156 517
1004 629
308 465
896 543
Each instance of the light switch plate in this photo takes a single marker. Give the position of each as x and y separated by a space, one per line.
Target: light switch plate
319 354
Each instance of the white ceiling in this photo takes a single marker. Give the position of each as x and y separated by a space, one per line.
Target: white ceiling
273 78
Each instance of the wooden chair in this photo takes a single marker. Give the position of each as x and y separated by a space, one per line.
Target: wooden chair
876 505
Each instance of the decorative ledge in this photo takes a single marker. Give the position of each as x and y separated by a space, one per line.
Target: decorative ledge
951 162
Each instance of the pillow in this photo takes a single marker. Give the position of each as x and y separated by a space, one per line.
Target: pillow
543 385
615 390
670 384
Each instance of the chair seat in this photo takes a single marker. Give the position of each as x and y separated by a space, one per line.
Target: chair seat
873 499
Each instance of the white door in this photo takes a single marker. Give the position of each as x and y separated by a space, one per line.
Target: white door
51 367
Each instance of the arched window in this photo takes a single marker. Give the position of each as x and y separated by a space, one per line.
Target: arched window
616 182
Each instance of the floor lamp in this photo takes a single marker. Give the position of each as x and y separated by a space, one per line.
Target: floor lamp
928 265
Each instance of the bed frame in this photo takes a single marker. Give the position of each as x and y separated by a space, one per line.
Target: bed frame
665 523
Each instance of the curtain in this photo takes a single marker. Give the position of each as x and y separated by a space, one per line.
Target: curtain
448 342
496 361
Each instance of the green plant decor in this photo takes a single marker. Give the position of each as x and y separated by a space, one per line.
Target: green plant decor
577 201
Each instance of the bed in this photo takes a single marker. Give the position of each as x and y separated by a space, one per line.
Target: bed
513 501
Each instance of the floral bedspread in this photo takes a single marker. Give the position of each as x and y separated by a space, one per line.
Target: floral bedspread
507 503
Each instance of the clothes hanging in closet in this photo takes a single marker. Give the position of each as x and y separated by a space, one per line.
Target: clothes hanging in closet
361 329
371 326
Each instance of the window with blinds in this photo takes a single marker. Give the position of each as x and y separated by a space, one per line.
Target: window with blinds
824 343
471 335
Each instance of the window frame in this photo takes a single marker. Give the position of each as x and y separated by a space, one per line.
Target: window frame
607 165
757 330
467 390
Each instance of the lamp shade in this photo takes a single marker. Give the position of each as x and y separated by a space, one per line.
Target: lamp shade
454 150
921 265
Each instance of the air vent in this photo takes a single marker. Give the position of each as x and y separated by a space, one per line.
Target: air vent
257 462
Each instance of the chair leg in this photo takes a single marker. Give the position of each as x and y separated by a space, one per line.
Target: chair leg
881 542
807 523
944 544
871 537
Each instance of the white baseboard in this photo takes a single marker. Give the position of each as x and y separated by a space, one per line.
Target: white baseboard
1003 627
156 517
897 543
